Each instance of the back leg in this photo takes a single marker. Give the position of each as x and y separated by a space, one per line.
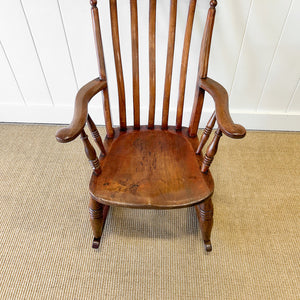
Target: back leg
205 216
98 213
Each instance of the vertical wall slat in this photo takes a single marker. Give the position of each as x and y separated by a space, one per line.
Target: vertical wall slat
10 89
101 67
17 40
257 55
286 61
152 62
203 67
135 62
169 65
118 62
184 62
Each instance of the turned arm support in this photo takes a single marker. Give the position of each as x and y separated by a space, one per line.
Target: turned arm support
83 97
220 96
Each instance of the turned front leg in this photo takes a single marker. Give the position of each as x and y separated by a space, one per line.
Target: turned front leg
205 216
98 213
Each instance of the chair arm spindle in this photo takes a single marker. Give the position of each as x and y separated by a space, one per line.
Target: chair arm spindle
95 134
206 133
211 151
91 153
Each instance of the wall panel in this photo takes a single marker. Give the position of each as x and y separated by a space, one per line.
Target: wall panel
16 38
48 33
47 53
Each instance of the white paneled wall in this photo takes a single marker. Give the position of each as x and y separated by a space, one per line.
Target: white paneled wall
47 53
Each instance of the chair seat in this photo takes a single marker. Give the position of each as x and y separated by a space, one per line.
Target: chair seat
151 169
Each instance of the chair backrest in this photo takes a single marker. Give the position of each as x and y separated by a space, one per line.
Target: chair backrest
202 70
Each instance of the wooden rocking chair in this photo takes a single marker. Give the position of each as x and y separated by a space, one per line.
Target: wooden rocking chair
152 166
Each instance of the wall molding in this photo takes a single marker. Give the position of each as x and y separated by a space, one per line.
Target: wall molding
48 114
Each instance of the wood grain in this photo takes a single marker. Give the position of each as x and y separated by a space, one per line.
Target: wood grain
135 63
169 65
184 62
118 62
147 169
154 167
205 216
152 62
101 67
220 96
211 151
91 154
206 132
84 96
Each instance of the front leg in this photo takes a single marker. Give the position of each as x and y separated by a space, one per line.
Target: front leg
205 216
98 213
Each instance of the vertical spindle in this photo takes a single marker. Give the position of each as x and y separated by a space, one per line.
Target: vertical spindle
211 151
184 62
90 153
135 63
152 72
95 134
169 66
118 63
206 132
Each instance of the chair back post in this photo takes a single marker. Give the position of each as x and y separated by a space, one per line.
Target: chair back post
203 68
101 67
184 62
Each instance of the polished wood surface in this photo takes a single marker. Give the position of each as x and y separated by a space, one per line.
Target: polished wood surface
95 134
211 151
101 67
84 96
202 69
147 169
206 132
118 62
155 165
169 66
135 63
152 63
91 154
98 213
220 97
184 62
205 216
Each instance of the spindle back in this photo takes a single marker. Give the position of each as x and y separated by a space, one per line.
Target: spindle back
202 70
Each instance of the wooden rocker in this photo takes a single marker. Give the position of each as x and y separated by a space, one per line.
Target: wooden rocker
152 166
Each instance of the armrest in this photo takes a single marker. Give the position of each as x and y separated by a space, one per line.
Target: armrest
83 97
220 97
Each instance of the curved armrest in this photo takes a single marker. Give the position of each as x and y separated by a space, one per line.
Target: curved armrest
220 96
83 97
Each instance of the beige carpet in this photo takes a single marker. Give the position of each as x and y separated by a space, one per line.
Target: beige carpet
45 236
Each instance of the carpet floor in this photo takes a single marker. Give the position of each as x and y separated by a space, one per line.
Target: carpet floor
45 235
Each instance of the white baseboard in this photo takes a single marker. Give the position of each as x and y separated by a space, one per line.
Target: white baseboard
63 115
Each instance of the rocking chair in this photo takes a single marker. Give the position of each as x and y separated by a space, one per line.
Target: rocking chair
152 166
